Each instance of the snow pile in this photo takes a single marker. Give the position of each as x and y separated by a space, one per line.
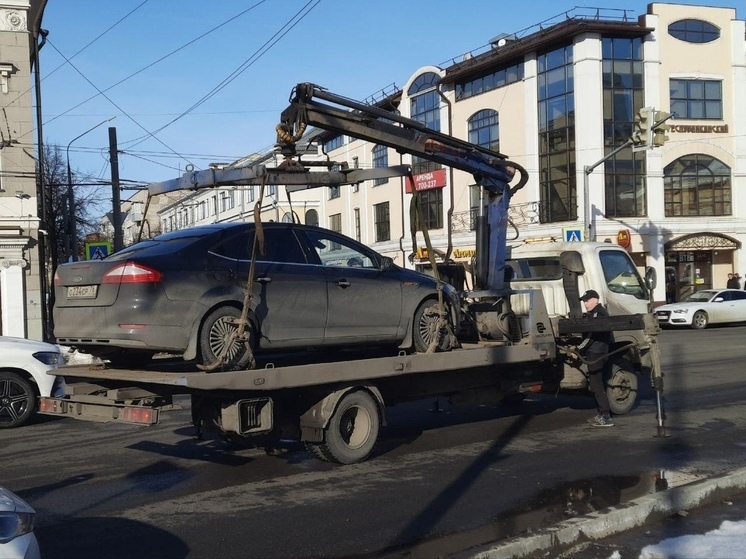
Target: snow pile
727 542
74 357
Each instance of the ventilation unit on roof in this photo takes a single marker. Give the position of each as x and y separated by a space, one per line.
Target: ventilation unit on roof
502 39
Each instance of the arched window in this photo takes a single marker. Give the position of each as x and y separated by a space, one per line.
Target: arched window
697 185
694 31
484 130
425 108
312 218
423 82
287 217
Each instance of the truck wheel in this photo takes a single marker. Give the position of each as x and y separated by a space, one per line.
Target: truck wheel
353 429
621 389
700 320
217 333
17 400
425 327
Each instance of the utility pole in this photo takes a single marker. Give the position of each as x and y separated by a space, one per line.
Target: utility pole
116 213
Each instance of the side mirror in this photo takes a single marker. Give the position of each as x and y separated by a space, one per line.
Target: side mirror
386 263
718 300
651 277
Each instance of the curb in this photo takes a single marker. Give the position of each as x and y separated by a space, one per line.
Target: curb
616 519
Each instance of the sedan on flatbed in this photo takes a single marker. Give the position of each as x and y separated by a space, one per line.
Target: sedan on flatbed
183 293
700 309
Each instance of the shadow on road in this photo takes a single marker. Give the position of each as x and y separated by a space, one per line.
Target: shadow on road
113 538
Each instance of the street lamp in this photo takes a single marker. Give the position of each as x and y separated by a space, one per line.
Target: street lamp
71 233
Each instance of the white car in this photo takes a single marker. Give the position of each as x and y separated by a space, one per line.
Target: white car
700 309
24 365
17 539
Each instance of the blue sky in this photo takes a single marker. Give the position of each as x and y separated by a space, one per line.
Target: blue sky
353 48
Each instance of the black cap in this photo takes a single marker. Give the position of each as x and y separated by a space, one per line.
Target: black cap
590 294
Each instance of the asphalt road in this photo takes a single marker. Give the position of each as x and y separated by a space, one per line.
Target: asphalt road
438 483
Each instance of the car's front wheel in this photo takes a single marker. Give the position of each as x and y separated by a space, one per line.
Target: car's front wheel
17 400
219 344
700 320
426 327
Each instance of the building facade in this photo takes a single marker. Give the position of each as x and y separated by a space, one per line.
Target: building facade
558 101
21 294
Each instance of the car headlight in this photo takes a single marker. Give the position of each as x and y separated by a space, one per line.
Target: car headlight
681 311
14 524
49 357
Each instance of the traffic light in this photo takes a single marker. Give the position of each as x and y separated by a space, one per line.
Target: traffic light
642 137
660 128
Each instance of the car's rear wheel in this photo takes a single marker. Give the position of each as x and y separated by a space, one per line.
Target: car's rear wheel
700 320
219 342
426 327
17 400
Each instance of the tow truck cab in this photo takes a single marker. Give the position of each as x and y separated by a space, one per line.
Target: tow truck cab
565 270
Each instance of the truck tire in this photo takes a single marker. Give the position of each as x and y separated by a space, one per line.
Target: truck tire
215 334
621 388
17 400
353 429
424 328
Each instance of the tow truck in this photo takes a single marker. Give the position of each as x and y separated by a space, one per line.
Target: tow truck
505 345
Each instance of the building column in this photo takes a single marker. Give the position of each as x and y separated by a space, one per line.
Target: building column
12 296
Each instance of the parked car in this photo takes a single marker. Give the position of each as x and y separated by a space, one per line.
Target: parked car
182 292
24 365
17 539
702 308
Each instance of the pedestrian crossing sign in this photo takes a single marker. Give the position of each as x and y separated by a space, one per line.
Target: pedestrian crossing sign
572 234
97 250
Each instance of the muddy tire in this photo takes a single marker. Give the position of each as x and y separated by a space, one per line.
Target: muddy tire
621 388
217 335
353 430
425 326
17 400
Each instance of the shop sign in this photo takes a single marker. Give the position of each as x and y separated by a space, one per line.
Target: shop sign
426 181
699 128
464 252
623 238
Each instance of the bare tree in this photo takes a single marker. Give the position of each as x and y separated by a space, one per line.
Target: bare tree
88 204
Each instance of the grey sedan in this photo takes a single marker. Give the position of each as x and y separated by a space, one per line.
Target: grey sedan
182 292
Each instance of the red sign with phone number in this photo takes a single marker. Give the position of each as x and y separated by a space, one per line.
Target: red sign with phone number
426 181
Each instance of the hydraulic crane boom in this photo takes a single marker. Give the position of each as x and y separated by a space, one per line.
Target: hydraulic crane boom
492 171
311 105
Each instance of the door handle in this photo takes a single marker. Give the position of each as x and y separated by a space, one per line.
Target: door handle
263 279
343 283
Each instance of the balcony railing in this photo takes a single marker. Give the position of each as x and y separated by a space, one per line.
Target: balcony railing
522 215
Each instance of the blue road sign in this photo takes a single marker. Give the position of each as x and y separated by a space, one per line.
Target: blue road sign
97 251
572 234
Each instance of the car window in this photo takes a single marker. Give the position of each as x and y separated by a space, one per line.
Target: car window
621 274
280 245
726 295
541 268
738 295
335 250
151 248
699 297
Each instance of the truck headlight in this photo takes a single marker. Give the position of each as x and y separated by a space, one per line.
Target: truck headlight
14 524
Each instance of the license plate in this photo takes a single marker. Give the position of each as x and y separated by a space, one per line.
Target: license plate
82 291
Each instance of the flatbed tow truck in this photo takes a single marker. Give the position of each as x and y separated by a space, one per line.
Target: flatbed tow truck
335 403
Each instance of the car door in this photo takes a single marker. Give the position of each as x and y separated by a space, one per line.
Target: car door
720 311
289 294
364 302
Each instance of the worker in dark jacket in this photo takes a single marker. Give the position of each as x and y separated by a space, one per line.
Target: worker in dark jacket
594 348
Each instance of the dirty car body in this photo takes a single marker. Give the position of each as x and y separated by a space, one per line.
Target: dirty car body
179 292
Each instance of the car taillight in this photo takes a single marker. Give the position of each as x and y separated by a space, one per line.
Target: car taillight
130 272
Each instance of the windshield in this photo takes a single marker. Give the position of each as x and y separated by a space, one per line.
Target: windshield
699 296
621 275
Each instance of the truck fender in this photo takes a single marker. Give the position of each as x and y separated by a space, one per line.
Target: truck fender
316 418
